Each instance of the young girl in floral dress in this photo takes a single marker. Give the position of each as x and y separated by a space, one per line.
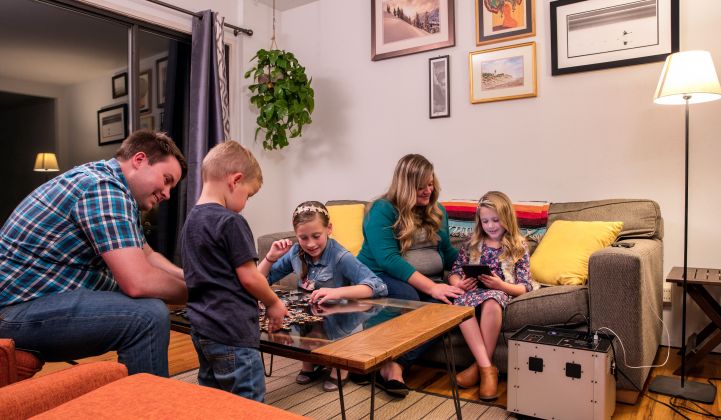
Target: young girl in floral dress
497 243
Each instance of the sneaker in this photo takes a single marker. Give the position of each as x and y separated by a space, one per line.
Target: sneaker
393 388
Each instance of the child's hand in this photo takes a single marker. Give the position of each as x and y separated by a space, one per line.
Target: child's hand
279 248
275 314
467 283
320 296
491 282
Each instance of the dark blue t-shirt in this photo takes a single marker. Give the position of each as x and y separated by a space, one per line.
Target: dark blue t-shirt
215 241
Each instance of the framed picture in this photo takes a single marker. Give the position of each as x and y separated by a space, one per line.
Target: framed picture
600 34
112 124
120 85
439 87
162 121
503 20
145 91
147 122
503 73
161 69
401 27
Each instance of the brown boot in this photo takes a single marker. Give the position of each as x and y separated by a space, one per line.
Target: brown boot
469 377
488 390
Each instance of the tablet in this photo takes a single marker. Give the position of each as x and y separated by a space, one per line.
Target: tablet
475 270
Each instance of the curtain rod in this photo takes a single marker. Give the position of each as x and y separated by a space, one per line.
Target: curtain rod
235 29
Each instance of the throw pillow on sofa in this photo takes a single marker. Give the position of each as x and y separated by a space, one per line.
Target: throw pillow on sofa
562 256
347 220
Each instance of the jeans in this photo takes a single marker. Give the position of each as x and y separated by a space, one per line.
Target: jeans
81 323
399 289
238 370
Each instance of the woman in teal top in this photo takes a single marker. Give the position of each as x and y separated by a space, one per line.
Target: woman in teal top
406 243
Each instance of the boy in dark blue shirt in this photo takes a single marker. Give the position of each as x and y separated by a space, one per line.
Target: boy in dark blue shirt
224 285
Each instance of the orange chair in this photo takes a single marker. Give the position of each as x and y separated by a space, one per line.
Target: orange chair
16 365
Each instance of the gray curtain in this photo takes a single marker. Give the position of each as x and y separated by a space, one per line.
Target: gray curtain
208 123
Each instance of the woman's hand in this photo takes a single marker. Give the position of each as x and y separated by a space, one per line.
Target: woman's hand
491 282
278 249
320 296
443 292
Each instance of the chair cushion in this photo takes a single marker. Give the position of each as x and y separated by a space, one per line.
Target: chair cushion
547 306
347 220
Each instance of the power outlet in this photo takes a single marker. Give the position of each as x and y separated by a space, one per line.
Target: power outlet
667 293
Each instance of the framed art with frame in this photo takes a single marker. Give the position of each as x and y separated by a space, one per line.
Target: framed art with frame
401 27
161 69
599 34
439 100
147 122
112 124
120 85
504 20
503 73
145 91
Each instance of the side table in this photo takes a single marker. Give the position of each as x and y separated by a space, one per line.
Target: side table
698 281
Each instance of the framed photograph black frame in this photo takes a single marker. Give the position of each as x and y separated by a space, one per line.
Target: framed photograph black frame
504 20
161 70
119 85
439 92
600 34
393 33
112 124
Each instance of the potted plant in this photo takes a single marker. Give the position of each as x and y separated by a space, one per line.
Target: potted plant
281 91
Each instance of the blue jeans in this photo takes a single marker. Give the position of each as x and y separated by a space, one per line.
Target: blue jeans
399 289
238 370
83 323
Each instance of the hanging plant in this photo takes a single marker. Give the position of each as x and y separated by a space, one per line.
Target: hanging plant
283 96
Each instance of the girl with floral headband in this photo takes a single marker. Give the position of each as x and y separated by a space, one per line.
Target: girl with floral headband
323 267
497 243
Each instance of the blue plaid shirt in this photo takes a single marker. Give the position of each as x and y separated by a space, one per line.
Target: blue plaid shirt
53 240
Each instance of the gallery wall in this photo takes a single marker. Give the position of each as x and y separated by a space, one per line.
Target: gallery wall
586 136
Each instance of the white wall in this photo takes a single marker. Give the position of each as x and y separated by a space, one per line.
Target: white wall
587 136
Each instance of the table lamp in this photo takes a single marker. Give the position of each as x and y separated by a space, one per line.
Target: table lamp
46 162
688 77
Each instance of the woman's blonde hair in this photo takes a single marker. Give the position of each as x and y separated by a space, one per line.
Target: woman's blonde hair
512 245
305 212
412 173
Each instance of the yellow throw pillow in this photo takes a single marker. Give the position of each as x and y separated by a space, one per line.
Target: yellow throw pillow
347 220
563 254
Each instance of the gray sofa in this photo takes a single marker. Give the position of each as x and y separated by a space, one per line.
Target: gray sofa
624 290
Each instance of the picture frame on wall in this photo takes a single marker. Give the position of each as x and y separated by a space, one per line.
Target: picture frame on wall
145 91
504 20
439 100
601 34
112 124
120 85
147 122
401 27
161 69
503 73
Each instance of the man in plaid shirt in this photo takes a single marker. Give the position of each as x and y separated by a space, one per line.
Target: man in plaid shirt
77 278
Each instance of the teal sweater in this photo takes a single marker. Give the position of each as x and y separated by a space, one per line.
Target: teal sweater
381 250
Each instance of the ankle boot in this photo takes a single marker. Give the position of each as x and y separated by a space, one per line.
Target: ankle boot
468 377
488 390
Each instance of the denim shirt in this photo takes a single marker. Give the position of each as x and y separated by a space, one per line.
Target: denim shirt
336 268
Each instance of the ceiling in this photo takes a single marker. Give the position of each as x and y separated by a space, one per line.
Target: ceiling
49 44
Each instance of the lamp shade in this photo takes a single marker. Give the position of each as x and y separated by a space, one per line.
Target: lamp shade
688 74
46 162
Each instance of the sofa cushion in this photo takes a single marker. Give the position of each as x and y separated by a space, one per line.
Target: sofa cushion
547 306
347 220
641 218
562 256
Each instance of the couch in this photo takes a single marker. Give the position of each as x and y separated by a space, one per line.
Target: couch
623 293
104 390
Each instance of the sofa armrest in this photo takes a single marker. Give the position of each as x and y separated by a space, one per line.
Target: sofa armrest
36 395
264 243
626 295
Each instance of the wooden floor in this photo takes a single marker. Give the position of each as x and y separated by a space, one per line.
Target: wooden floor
182 357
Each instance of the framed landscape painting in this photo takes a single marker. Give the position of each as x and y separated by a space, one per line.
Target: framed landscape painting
401 27
503 73
600 34
503 20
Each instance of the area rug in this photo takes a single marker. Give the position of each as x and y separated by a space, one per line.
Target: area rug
311 401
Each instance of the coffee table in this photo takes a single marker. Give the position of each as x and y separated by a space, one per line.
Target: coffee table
362 335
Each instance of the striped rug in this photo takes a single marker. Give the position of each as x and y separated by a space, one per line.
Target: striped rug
310 400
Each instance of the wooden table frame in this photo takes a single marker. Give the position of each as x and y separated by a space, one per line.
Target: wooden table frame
698 280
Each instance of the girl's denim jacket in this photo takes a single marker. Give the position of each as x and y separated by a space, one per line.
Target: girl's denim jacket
337 267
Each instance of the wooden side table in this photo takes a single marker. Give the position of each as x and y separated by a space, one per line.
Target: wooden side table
699 280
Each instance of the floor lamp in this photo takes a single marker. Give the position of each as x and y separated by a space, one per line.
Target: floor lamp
688 77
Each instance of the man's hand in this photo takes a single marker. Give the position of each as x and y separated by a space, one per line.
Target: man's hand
275 314
443 292
279 248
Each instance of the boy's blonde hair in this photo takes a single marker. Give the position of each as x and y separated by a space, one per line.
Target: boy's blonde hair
230 157
512 244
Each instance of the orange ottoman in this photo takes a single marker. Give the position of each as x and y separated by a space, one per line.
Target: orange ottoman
152 397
